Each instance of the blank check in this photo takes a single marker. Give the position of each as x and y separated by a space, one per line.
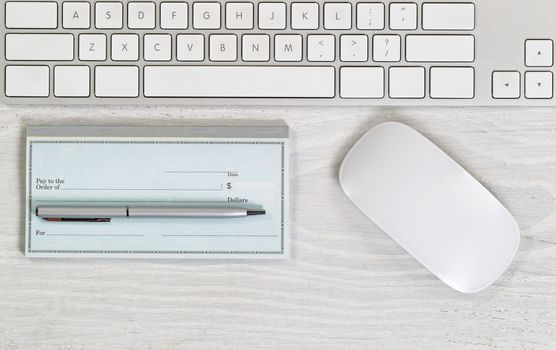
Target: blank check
142 186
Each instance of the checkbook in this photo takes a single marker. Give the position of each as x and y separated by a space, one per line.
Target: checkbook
157 192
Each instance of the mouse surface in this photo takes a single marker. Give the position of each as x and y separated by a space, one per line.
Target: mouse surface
431 206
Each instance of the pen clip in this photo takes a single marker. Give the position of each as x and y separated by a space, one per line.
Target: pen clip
78 219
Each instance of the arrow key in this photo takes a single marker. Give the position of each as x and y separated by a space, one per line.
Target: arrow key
506 85
539 53
539 85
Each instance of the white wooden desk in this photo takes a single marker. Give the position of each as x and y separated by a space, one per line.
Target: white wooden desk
347 285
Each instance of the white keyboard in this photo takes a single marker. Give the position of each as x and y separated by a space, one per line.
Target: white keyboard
430 53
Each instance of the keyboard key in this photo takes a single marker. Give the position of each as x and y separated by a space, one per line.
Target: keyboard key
116 81
539 53
76 15
32 14
452 82
157 47
125 47
27 81
39 47
71 81
239 15
337 15
190 47
362 82
440 48
320 48
370 16
109 15
173 15
386 48
354 48
407 82
506 85
539 85
206 15
92 47
305 15
255 48
288 48
272 15
239 81
141 15
223 47
448 16
403 16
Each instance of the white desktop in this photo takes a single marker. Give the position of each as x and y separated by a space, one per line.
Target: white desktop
331 71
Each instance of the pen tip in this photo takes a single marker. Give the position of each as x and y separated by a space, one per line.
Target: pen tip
256 212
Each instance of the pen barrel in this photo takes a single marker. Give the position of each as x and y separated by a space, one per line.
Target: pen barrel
186 212
81 212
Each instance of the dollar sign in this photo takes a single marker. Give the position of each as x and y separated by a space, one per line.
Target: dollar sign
229 185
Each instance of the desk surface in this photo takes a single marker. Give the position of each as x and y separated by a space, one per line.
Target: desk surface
347 284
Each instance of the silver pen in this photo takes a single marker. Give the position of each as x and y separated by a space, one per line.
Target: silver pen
106 214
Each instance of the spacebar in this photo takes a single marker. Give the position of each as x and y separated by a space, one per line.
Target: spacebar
239 81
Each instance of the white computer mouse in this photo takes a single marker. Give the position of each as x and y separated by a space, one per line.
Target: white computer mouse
431 206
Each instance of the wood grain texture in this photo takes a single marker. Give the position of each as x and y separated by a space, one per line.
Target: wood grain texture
347 285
